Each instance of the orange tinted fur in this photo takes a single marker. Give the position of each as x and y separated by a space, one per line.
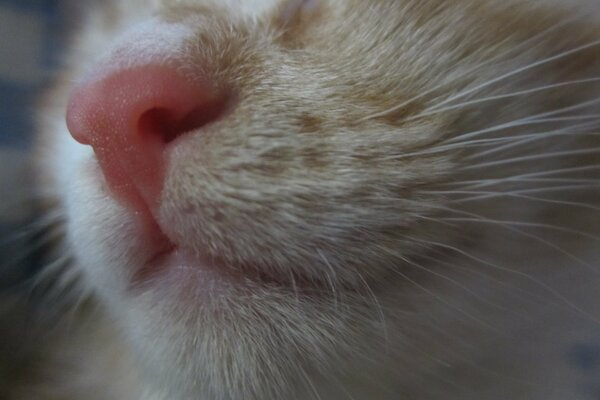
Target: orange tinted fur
360 185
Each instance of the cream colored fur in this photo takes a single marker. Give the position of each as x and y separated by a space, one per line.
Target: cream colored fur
341 174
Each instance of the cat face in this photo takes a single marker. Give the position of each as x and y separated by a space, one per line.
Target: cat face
262 176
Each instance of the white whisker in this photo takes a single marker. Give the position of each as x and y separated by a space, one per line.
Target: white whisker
481 195
34 246
310 383
526 44
525 139
331 277
377 303
509 226
564 300
525 197
441 299
534 157
32 229
465 104
518 71
523 294
541 118
454 282
473 184
511 141
524 224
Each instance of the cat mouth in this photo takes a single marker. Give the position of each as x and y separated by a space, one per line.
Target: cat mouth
164 254
202 272
159 257
166 259
209 276
163 258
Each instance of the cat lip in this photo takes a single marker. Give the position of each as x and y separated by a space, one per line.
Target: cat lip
166 257
171 259
210 275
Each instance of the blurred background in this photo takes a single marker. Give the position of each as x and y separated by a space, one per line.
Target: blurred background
32 35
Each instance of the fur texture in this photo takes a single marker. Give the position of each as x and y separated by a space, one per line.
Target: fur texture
400 188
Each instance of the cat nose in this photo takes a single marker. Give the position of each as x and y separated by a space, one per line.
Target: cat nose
130 117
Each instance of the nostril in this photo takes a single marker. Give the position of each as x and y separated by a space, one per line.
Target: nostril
158 123
162 123
199 117
129 116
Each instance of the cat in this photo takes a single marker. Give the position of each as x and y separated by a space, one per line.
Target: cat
320 199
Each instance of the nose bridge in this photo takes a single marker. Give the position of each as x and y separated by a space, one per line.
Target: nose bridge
154 41
232 10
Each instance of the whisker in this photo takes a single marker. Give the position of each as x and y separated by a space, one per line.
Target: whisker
525 139
441 299
294 287
377 303
531 120
524 224
508 225
526 44
563 299
487 195
491 182
34 247
512 141
33 228
465 104
341 386
522 295
581 184
533 157
331 277
518 71
52 273
310 383
510 179
454 282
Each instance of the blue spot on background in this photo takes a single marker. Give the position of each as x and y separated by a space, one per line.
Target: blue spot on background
586 356
31 37
29 47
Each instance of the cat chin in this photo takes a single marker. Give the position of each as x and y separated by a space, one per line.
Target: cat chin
188 319
256 343
198 333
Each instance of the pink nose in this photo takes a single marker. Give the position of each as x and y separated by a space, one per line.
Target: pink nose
130 116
